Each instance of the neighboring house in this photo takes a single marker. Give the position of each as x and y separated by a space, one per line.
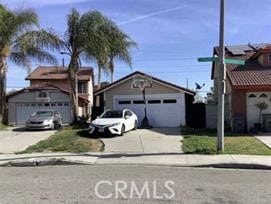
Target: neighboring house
167 104
246 85
50 89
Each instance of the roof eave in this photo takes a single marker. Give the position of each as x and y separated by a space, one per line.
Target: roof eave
141 73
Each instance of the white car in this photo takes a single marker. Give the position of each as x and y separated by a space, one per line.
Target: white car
115 122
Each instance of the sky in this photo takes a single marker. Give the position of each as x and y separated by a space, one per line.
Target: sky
171 34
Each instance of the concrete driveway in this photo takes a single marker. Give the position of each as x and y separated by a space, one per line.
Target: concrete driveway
17 139
156 140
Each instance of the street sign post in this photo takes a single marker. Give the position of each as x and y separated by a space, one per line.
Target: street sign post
227 60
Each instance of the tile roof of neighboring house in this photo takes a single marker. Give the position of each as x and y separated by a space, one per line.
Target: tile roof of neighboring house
45 86
252 73
143 74
51 72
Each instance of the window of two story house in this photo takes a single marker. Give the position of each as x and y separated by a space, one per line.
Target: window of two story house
82 87
42 94
269 58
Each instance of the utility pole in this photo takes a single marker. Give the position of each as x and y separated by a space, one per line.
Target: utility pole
221 81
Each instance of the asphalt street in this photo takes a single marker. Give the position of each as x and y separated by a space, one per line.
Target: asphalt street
132 184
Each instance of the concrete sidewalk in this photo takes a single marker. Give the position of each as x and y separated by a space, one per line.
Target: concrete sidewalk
264 138
166 159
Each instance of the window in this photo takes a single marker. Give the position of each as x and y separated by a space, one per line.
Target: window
154 101
252 96
269 58
59 104
39 104
124 102
82 87
138 102
53 104
263 95
46 104
170 101
26 104
42 94
33 104
66 104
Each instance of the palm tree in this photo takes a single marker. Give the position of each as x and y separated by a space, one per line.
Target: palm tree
20 43
83 40
120 45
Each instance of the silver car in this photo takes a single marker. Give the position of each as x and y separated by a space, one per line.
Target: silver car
44 119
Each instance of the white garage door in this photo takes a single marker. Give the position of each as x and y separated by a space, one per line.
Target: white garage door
166 111
24 110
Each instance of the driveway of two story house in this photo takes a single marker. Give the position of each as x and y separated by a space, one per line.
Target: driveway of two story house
155 140
17 139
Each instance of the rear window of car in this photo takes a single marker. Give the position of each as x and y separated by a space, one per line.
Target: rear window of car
112 114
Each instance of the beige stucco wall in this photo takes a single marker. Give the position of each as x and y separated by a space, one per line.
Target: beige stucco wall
126 89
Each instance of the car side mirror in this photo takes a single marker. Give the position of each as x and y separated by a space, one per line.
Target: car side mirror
126 117
98 116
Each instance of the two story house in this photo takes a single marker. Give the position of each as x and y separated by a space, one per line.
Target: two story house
50 90
246 86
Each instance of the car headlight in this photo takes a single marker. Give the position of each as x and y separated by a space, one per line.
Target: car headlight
115 124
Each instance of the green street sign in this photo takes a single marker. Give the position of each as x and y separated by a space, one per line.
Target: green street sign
234 61
208 59
227 60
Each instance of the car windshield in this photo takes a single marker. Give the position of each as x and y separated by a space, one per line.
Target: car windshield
112 114
43 113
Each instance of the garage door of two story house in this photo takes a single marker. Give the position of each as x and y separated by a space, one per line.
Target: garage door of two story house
24 110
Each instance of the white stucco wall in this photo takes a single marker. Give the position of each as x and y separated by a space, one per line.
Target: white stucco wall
253 111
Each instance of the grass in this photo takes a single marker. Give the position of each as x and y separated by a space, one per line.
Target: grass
2 126
204 142
69 139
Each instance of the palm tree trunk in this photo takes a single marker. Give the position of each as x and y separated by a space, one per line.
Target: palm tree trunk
111 67
74 94
3 103
97 102
99 75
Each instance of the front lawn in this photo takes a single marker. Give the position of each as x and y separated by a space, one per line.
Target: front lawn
69 139
204 142
2 126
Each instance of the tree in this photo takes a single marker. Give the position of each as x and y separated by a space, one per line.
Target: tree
21 42
84 40
261 106
120 45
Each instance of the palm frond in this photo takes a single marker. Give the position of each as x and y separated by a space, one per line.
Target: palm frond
46 39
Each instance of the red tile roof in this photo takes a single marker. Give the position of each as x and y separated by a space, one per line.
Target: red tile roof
50 72
252 74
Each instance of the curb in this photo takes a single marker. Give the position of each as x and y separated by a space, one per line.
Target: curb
57 161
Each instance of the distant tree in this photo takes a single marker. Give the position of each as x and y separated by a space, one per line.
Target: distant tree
120 45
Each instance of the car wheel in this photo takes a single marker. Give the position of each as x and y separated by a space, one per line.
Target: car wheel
135 126
122 130
60 123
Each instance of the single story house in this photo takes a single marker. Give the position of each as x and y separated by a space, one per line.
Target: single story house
167 104
246 86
